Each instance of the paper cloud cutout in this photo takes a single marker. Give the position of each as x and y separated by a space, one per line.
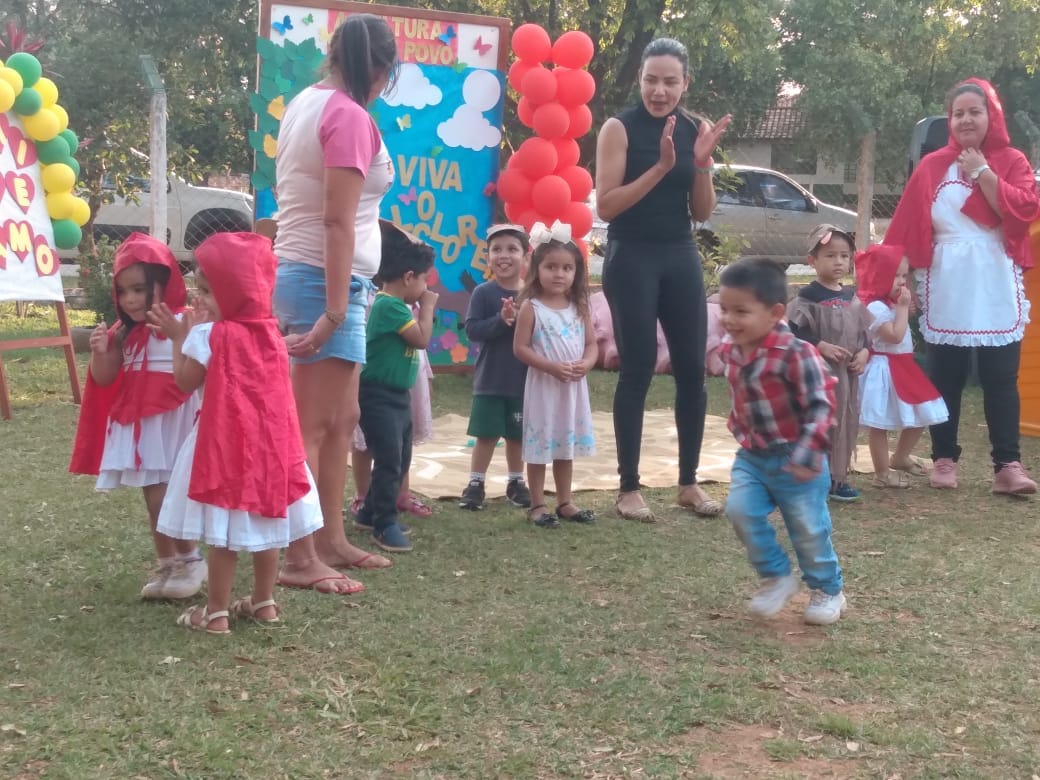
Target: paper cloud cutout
412 89
468 127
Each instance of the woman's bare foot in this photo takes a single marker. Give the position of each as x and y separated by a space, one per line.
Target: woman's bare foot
317 575
693 497
347 556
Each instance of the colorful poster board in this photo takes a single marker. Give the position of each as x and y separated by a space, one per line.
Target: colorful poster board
442 123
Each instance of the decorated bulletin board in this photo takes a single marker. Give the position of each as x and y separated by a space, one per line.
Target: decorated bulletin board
38 211
441 124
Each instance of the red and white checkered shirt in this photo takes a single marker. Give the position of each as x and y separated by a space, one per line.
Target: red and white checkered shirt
782 395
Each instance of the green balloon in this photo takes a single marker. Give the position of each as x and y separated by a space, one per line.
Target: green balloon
71 162
53 151
67 234
70 139
28 68
28 102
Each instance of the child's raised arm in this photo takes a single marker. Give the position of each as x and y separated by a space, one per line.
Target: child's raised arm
893 332
526 354
187 373
106 354
419 336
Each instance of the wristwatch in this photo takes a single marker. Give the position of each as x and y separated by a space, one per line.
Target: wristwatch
978 172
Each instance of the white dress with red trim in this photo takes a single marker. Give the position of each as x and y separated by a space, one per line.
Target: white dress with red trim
148 460
894 391
972 294
234 529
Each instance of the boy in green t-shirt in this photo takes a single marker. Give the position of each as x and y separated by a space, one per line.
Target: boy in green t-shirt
392 337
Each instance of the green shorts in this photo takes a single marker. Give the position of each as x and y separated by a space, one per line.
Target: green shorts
495 416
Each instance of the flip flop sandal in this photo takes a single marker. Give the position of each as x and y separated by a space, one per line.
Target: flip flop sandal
361 563
913 467
245 608
894 479
185 619
579 516
543 519
413 505
357 587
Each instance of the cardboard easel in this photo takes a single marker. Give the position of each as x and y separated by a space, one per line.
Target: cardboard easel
64 340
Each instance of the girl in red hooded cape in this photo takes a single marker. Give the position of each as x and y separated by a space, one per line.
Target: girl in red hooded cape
134 418
895 395
964 223
241 481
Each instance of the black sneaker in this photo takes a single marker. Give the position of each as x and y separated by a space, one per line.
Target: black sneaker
473 496
842 491
518 494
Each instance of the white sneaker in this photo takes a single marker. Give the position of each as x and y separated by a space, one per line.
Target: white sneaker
186 579
824 609
772 594
153 589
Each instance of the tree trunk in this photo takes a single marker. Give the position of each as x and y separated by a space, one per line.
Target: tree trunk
865 188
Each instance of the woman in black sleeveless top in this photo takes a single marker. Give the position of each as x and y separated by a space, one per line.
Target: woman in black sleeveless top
653 172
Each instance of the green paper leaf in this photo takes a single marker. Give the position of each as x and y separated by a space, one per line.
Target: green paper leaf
283 85
260 180
292 51
308 48
256 140
268 89
268 49
258 104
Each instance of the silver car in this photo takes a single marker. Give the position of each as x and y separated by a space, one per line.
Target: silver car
770 213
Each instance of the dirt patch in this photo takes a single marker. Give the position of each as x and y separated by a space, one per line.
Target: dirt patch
740 751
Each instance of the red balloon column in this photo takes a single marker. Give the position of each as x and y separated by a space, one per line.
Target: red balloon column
542 181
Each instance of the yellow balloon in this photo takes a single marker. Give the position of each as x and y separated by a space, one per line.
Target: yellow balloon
6 97
61 205
12 77
58 178
80 212
63 117
48 91
43 125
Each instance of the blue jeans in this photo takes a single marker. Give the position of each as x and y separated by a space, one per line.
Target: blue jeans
759 485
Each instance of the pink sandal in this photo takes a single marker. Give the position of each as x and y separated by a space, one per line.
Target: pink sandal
409 502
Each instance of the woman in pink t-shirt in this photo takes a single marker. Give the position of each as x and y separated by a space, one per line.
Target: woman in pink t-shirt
332 170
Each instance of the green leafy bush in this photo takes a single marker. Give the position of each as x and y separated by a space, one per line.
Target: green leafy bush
95 274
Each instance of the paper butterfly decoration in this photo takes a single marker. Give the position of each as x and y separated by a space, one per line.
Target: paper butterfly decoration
459 66
404 121
308 19
408 198
447 35
283 26
481 47
489 189
436 150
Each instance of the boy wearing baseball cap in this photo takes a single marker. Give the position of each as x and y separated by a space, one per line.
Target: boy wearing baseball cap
827 314
498 378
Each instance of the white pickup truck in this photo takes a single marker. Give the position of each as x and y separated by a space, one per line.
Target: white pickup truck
193 213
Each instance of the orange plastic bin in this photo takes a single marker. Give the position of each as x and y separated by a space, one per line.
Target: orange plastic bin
1029 370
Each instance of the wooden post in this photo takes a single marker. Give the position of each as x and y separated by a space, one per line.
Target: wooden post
64 341
157 150
865 188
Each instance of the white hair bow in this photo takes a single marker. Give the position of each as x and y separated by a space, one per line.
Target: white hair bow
540 234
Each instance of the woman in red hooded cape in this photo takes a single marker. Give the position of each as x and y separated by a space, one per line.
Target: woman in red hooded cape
964 222
895 395
134 418
241 481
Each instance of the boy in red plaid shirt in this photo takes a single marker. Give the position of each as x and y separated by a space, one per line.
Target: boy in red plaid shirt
783 409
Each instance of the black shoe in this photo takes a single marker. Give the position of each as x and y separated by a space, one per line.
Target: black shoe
518 494
473 496
543 518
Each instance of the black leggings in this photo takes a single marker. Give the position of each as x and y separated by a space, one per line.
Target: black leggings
644 282
948 368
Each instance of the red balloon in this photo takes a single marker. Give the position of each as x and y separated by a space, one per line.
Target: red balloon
513 163
551 120
573 87
573 49
581 122
513 186
517 71
550 195
516 210
538 158
579 217
584 249
531 42
529 217
567 151
525 113
538 85
577 178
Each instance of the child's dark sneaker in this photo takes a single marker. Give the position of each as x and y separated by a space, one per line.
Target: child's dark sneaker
363 523
392 539
843 491
473 496
517 493
542 517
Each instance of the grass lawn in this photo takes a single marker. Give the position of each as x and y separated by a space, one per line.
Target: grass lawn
502 650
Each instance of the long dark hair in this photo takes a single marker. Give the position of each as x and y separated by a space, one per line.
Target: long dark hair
153 275
361 48
579 292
